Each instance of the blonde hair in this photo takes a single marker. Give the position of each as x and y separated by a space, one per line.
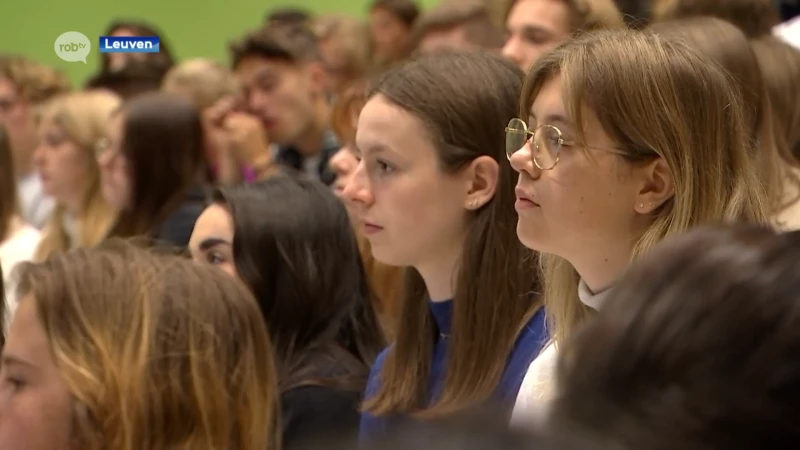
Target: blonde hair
83 117
36 83
682 108
351 37
157 352
203 81
728 46
591 15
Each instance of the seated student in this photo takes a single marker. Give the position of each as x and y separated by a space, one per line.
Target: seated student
696 349
154 168
70 129
457 25
282 74
290 241
433 191
119 348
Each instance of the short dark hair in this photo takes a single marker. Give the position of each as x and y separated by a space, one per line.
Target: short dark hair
405 10
473 15
698 347
288 15
133 79
294 44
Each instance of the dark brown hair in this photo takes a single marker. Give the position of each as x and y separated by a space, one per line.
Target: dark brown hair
780 67
36 83
473 15
164 149
488 315
294 247
288 15
292 44
754 17
697 348
9 202
407 11
161 61
135 78
729 47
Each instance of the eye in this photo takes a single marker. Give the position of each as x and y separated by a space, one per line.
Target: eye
14 382
384 167
215 258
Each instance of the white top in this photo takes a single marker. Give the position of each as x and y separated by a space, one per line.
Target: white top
36 207
20 247
789 32
538 386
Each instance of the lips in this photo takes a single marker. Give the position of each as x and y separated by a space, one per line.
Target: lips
370 228
524 196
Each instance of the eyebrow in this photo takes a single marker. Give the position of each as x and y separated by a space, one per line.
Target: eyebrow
552 119
535 29
211 242
10 360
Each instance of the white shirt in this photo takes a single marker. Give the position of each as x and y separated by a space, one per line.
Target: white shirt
538 386
18 248
36 207
789 31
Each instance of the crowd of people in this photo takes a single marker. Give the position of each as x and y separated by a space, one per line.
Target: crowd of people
527 224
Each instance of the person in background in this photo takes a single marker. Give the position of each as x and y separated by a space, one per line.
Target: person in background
288 15
25 86
237 147
636 13
118 347
756 18
667 363
136 77
160 62
391 23
290 241
283 77
386 281
18 240
432 191
607 169
457 25
154 168
724 43
344 50
70 130
535 27
780 67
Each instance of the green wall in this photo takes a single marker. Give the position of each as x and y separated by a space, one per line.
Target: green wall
193 27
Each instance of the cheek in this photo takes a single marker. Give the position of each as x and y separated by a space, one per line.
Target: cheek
38 419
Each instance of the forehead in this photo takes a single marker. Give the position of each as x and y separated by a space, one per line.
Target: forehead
382 124
215 221
549 100
251 68
552 15
7 88
448 38
26 335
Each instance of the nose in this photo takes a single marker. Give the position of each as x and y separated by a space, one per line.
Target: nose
257 101
522 161
511 50
338 162
357 190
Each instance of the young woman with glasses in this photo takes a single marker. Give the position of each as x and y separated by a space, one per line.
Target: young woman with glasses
608 168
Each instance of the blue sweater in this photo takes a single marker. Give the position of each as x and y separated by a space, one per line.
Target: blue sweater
529 344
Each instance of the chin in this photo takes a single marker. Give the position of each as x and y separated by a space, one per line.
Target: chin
530 238
388 256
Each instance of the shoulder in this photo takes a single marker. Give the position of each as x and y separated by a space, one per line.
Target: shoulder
537 386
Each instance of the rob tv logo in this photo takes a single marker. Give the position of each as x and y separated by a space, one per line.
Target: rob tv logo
129 44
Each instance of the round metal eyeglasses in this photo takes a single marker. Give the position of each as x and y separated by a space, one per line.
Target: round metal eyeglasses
546 142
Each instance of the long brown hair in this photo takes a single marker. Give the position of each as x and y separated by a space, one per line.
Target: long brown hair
156 351
780 67
466 115
9 203
681 102
730 48
164 146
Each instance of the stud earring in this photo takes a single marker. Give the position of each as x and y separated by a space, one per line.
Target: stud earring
649 203
472 203
641 205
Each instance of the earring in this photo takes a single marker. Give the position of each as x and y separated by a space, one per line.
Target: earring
473 203
641 205
649 203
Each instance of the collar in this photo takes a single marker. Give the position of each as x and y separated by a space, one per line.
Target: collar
591 299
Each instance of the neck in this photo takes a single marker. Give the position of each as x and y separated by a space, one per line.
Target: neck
603 270
72 207
440 276
310 142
